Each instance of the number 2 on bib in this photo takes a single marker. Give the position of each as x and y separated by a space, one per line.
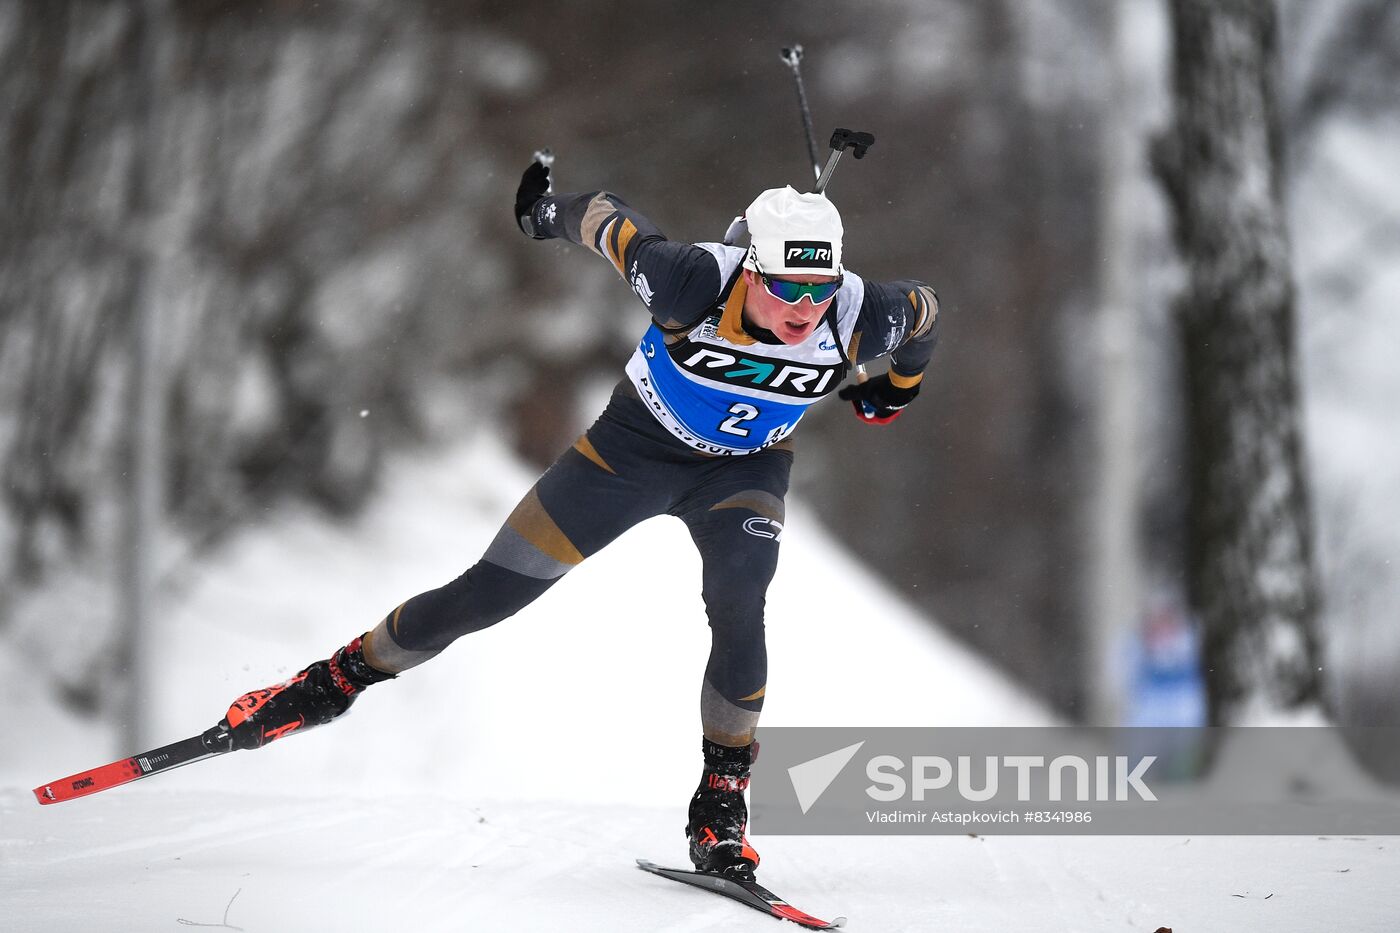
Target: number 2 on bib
741 412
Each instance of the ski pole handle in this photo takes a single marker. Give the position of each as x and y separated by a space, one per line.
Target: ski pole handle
841 140
862 377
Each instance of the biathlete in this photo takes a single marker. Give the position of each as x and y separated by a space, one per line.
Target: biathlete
741 342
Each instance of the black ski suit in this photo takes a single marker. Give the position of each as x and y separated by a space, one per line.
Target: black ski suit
700 430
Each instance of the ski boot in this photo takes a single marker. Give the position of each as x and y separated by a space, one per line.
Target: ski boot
313 697
719 816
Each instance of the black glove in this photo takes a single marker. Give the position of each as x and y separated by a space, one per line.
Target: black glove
534 184
877 400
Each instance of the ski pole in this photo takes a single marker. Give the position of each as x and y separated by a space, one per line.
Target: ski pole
792 57
841 140
858 143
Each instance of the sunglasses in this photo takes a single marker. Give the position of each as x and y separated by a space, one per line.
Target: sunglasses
793 292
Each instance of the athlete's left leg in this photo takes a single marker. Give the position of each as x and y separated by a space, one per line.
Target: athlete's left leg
735 516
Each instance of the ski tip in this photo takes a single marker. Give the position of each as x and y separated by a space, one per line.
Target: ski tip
801 917
45 795
646 864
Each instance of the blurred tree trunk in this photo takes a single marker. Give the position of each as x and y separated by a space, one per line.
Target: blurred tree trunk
1115 560
145 452
1251 575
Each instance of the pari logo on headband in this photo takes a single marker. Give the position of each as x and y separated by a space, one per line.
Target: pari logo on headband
794 232
807 254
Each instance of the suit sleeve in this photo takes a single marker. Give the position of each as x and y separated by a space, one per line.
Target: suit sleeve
898 320
678 282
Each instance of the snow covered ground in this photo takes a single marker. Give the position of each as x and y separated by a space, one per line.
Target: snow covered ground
161 853
471 793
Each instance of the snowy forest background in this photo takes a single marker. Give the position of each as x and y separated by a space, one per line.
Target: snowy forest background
307 206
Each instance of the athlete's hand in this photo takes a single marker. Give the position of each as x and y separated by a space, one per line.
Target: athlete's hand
877 400
534 184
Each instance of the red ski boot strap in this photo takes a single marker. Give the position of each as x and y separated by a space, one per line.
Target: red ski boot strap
726 782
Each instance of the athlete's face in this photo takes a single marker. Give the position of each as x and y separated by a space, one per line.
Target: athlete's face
791 324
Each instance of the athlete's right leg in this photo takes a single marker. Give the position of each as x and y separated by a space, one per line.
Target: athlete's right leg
608 481
583 502
735 517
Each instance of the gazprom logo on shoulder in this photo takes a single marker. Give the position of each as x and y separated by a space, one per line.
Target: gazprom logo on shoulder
807 254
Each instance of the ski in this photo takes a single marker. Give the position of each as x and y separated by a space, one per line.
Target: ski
212 742
751 893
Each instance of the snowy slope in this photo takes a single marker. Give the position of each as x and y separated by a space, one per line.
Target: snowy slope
468 795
